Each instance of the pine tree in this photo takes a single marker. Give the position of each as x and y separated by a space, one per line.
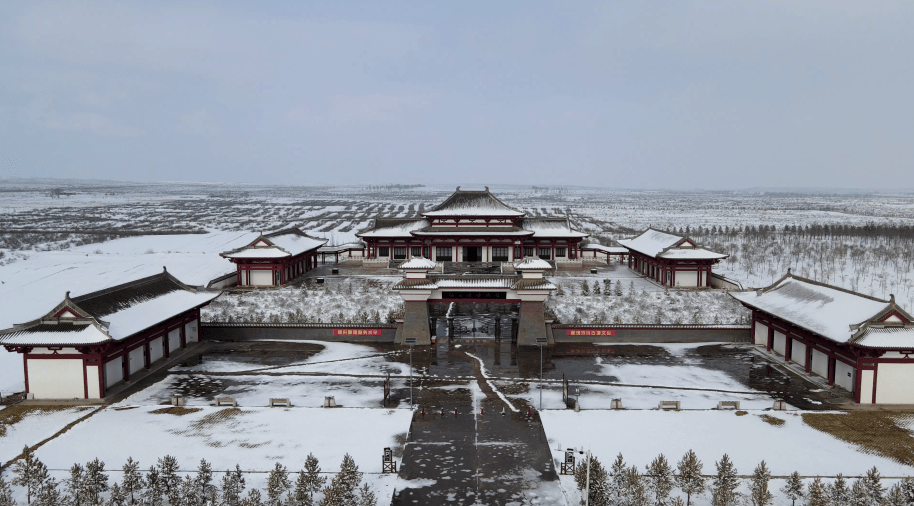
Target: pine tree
689 478
117 497
634 493
253 498
596 288
618 288
907 488
859 496
168 475
75 486
133 482
616 483
203 482
232 487
301 495
343 487
30 473
47 493
277 484
367 497
597 490
660 480
816 494
895 497
6 493
838 493
723 485
314 480
188 493
759 494
152 494
793 488
585 288
873 484
96 481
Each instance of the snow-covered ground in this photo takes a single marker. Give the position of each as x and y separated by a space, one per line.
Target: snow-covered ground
642 435
36 426
356 299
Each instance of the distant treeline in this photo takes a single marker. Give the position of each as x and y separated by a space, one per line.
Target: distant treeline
391 187
809 230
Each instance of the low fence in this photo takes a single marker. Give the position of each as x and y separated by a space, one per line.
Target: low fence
342 332
718 281
655 333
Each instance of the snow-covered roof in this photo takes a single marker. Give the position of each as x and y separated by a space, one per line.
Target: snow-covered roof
655 243
692 254
60 334
887 337
473 231
475 283
550 227
831 312
418 263
116 313
532 264
472 203
394 227
341 247
533 284
284 243
617 250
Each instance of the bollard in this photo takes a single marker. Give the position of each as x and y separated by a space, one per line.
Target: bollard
423 410
502 411
455 411
482 411
442 411
529 411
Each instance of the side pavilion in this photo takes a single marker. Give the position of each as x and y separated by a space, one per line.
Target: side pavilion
671 260
275 259
857 342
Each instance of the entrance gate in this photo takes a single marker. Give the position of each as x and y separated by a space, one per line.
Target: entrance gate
474 320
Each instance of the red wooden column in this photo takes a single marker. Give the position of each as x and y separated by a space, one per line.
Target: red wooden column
183 337
770 343
146 353
832 366
788 348
808 358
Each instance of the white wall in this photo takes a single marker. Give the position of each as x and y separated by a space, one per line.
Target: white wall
190 331
780 342
686 278
92 381
761 334
819 363
174 340
893 384
798 353
136 359
114 371
261 278
155 349
56 378
866 386
844 376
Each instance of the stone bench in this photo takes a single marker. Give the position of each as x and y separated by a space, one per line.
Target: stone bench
780 406
178 401
226 401
329 402
670 405
728 405
616 404
280 402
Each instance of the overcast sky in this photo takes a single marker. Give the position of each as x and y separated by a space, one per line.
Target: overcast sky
697 94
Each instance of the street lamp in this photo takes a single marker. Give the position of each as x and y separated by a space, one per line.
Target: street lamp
411 341
541 341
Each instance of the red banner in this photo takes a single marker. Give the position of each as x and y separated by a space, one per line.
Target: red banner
357 332
590 332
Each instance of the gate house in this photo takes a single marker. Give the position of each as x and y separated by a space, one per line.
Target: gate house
530 289
854 341
88 344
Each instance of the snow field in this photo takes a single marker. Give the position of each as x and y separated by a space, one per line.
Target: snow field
254 438
36 426
642 435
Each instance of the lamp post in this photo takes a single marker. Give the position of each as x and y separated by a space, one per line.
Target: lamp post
541 341
411 341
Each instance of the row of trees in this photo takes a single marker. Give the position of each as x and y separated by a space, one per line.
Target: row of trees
627 486
837 230
163 485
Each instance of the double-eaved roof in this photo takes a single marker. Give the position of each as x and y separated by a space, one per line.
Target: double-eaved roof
472 203
658 244
283 243
108 315
840 315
